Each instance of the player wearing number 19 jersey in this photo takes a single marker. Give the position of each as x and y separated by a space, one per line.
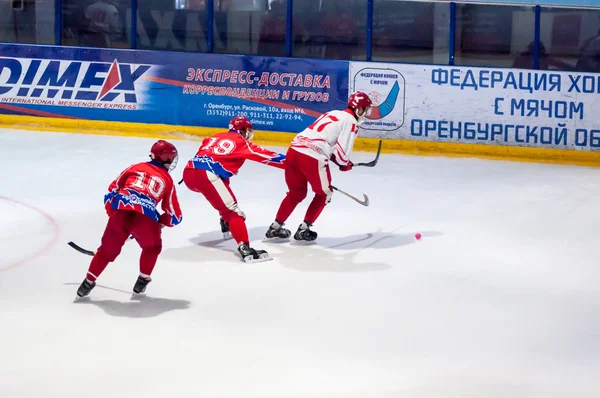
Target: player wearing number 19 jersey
218 159
131 206
330 137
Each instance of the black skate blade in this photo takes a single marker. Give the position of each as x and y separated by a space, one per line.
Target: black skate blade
276 240
250 260
296 242
79 299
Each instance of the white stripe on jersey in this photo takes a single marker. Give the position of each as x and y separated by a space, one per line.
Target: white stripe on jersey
224 194
171 208
325 182
117 187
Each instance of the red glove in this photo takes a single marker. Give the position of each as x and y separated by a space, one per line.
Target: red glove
332 158
347 167
164 220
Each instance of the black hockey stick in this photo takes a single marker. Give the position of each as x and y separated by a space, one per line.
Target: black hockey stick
88 252
81 249
364 202
373 162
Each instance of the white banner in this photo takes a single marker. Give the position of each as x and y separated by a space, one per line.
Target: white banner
517 107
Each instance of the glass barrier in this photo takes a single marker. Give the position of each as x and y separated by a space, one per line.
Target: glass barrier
496 36
171 25
30 22
428 32
410 31
570 39
250 27
96 23
333 29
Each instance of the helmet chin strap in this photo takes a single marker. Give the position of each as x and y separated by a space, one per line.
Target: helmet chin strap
173 164
170 166
362 117
247 134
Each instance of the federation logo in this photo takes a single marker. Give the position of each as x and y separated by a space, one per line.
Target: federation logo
386 88
108 85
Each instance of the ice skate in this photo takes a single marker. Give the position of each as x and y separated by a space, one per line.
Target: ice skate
304 235
225 229
277 233
250 255
140 285
84 289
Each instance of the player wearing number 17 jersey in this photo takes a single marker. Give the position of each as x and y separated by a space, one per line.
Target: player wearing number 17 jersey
131 206
218 159
330 138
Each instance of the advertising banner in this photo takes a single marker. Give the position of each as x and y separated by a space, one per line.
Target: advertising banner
190 89
542 109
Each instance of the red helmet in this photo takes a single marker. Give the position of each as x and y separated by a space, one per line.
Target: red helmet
165 153
242 126
359 100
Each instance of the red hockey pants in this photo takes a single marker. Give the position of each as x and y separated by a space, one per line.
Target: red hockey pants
301 170
121 224
218 193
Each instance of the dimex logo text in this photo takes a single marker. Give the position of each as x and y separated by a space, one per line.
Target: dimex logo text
71 83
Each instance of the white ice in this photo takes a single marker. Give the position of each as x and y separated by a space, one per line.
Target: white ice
500 299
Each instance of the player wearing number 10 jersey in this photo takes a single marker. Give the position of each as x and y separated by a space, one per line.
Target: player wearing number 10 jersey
131 206
218 159
330 137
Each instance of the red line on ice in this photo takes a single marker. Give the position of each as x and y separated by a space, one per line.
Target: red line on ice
39 252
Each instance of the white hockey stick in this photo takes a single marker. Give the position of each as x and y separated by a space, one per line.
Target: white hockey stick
364 202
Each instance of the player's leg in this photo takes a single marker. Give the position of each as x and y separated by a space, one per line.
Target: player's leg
219 194
235 219
222 199
114 237
197 181
225 229
147 233
297 190
319 178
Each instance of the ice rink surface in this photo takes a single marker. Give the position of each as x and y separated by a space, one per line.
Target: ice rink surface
500 298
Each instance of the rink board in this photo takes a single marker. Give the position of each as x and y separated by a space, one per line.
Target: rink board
421 109
505 107
408 147
173 88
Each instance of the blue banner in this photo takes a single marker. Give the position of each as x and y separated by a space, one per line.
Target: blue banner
188 89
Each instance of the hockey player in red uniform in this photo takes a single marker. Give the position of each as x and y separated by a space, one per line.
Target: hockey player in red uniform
131 206
330 137
218 159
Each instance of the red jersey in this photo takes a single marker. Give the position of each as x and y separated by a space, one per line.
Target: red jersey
225 153
141 187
